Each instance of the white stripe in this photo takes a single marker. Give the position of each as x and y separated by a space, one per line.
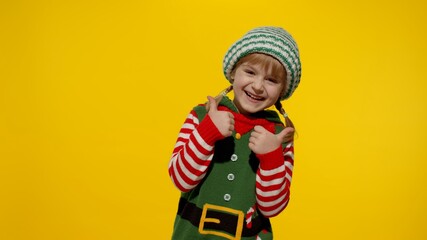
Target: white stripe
289 154
289 165
173 158
181 182
272 171
270 193
188 126
202 142
284 35
184 184
178 144
272 203
193 118
196 151
193 164
183 135
266 41
186 172
275 211
262 42
289 177
174 183
190 175
269 183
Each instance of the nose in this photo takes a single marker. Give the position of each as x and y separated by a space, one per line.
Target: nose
257 85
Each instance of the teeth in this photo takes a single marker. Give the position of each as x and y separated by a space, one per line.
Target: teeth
254 97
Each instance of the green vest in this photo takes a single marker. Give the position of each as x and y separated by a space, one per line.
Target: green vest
229 181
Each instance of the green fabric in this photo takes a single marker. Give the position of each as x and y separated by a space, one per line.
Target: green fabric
216 184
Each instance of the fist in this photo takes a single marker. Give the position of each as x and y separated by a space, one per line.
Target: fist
262 141
223 120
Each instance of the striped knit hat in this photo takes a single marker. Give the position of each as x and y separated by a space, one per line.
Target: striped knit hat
273 41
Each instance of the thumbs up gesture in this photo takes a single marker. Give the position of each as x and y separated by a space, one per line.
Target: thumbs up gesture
262 141
223 120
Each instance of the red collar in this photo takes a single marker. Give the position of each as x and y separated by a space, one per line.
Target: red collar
244 124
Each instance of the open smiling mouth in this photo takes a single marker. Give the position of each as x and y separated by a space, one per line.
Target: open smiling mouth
254 97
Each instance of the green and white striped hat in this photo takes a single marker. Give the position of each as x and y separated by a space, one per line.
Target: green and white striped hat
273 41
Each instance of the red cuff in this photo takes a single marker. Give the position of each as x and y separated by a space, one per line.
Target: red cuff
208 131
271 160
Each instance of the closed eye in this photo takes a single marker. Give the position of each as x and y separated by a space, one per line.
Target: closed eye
272 80
248 71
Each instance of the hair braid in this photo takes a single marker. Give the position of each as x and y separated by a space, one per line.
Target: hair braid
279 107
219 97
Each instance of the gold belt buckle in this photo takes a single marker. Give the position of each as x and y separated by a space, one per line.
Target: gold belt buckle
203 219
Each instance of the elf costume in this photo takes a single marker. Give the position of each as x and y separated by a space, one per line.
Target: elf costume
229 192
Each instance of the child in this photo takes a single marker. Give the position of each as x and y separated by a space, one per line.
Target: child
233 159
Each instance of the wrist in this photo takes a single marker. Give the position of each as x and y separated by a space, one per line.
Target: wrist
271 160
208 131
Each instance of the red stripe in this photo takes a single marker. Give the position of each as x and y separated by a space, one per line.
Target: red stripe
175 180
193 155
276 207
198 146
184 177
271 188
275 188
189 118
191 169
275 176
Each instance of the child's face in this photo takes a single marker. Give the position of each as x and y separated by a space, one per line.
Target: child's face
256 87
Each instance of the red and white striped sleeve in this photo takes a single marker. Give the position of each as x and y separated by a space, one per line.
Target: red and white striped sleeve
273 180
193 152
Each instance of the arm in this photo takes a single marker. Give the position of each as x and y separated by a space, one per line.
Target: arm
193 152
194 148
273 180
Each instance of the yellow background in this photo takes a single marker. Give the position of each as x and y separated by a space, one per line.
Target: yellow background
93 93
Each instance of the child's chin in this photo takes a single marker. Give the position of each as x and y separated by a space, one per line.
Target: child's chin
251 110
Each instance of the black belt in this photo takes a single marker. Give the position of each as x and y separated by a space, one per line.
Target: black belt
221 221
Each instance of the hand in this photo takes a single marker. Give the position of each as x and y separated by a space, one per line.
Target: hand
262 141
223 120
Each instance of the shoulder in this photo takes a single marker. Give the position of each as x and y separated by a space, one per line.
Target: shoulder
270 115
274 120
199 111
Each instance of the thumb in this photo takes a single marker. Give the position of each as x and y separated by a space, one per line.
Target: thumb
212 104
286 134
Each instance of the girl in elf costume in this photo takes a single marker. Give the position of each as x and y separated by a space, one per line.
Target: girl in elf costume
233 159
